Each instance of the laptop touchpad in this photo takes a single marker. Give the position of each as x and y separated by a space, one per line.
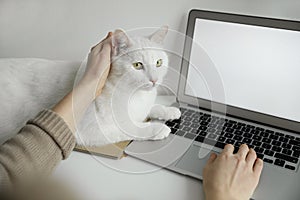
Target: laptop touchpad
194 159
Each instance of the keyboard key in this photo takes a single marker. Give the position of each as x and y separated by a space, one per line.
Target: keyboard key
266 146
247 140
269 131
221 139
256 143
266 140
199 138
212 125
245 129
196 120
176 121
180 133
194 131
268 160
195 125
220 145
279 134
202 133
274 137
258 150
173 130
250 126
247 135
228 125
287 151
260 129
237 137
296 148
276 148
269 152
283 139
177 126
185 128
276 143
264 134
238 143
296 154
239 132
212 136
229 130
286 157
203 128
211 130
236 127
294 142
190 136
255 131
290 136
256 137
170 124
279 162
209 141
259 155
241 124
232 121
204 123
228 135
230 141
286 146
290 167
187 123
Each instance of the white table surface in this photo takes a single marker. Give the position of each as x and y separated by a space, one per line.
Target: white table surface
94 177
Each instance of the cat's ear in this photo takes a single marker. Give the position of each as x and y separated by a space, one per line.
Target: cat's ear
120 41
159 35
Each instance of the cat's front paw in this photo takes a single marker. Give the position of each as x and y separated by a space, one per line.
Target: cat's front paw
160 131
172 113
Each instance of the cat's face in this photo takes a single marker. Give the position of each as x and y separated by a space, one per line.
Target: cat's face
141 58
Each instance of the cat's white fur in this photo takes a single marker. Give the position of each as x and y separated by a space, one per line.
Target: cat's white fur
118 114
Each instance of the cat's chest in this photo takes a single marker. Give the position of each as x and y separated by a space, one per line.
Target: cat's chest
140 104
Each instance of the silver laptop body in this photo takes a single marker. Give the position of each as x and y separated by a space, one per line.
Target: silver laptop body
241 73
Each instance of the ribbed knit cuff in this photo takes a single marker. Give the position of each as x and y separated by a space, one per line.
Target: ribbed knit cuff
57 129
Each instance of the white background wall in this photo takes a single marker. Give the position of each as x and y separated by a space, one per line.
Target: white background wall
66 29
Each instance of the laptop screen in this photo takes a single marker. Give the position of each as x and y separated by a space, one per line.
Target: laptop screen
259 66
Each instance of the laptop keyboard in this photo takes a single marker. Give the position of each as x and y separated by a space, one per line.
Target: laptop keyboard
272 147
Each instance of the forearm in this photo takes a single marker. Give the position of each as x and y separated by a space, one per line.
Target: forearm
73 106
41 144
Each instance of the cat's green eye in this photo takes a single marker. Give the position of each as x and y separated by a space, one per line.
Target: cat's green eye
138 65
159 63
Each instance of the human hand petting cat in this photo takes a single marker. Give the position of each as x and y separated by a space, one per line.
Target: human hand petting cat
231 176
73 106
98 64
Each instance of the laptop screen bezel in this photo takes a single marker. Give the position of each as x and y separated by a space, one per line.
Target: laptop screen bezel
218 107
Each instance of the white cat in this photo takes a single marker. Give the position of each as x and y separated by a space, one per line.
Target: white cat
119 113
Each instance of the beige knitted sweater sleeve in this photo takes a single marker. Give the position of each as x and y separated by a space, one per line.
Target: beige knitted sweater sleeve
39 146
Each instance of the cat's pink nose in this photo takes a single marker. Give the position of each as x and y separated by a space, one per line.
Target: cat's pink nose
153 81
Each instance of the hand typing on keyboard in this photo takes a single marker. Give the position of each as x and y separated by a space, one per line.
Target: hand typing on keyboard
230 176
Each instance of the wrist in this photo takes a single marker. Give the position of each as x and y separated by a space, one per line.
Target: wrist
220 196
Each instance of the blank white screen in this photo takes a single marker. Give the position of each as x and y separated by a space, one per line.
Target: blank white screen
259 66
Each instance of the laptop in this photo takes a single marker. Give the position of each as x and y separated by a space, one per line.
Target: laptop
239 83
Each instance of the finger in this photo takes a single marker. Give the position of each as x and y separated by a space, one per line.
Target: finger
228 149
106 48
98 47
251 157
258 166
243 151
212 158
